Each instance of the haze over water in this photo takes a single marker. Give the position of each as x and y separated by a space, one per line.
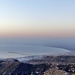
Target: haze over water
21 47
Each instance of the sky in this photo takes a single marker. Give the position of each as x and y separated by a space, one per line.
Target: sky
37 18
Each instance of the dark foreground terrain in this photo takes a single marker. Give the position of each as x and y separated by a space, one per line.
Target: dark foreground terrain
48 65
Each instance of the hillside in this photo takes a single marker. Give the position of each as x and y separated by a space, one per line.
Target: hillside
18 68
54 59
48 65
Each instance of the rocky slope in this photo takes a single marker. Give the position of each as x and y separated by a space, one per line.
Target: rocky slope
48 65
18 68
54 60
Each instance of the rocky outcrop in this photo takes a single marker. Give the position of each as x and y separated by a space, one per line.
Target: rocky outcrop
55 72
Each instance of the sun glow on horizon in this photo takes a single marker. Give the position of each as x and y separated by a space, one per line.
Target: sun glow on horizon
37 18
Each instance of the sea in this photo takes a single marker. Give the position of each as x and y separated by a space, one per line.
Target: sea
22 47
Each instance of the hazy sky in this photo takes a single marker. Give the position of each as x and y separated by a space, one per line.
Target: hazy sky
37 18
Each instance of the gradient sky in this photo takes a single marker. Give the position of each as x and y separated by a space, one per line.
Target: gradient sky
37 18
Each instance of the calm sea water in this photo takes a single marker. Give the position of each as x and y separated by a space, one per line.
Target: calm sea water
10 48
9 51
